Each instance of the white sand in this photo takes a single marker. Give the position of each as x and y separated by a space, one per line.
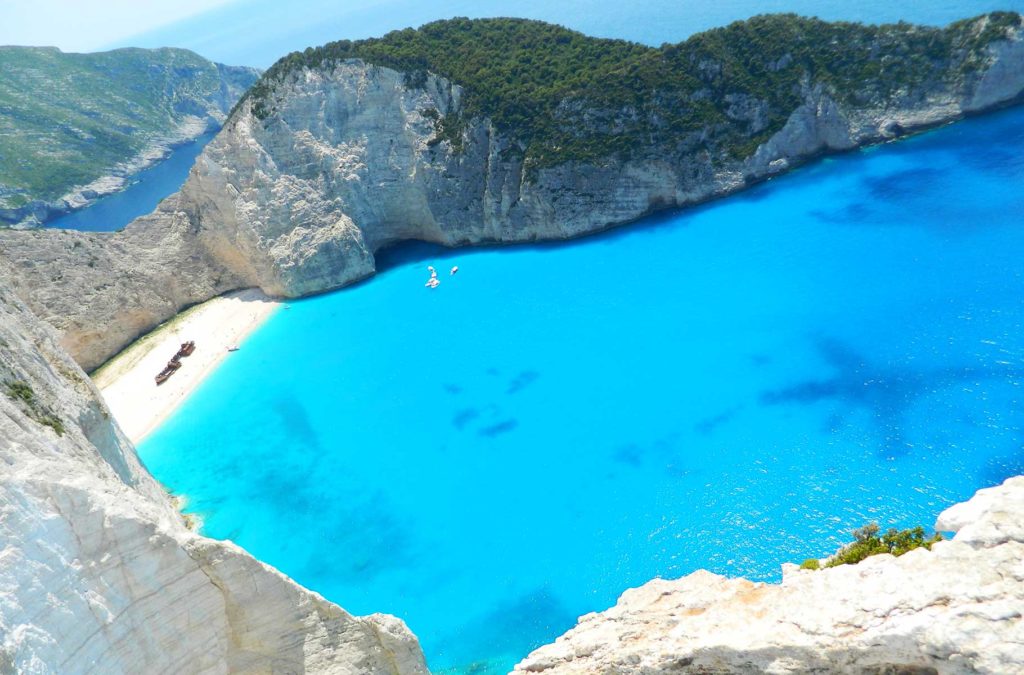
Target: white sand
127 381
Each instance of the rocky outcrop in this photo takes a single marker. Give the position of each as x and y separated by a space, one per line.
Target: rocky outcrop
100 292
955 609
348 161
98 572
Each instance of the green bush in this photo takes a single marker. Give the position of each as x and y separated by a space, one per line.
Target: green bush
565 96
867 543
52 421
20 391
810 564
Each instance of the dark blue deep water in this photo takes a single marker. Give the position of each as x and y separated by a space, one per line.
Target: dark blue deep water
728 387
146 189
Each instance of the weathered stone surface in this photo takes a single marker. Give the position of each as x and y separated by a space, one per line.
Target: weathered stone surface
101 292
955 609
993 515
301 201
98 572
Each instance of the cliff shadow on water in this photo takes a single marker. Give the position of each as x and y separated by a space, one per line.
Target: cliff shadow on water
408 252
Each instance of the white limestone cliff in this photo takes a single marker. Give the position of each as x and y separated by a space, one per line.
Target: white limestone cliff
346 164
98 573
955 609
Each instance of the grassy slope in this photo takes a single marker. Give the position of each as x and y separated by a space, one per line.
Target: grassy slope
66 118
568 96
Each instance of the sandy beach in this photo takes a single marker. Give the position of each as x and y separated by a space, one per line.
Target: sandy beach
127 381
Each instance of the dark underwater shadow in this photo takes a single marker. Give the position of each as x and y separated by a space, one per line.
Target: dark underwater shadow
886 392
518 626
956 139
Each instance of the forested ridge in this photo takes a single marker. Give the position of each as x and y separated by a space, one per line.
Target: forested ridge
563 95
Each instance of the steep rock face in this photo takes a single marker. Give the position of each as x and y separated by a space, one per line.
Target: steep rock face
955 609
100 292
98 572
349 161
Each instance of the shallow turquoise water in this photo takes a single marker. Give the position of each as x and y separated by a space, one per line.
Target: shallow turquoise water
729 387
146 190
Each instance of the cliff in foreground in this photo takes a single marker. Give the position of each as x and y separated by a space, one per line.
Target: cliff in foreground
98 572
466 132
77 126
955 609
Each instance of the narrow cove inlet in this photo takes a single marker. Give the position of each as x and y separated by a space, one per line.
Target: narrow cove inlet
729 387
143 193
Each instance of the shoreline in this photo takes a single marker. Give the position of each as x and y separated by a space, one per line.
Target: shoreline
119 177
126 381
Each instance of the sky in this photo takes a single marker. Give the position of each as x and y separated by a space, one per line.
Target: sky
88 25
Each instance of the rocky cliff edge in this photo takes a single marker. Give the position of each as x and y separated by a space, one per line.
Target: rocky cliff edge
955 609
98 573
348 162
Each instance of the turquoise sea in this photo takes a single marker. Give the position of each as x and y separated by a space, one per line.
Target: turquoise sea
728 387
142 195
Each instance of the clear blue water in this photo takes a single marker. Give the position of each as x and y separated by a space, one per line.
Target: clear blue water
147 189
728 387
258 32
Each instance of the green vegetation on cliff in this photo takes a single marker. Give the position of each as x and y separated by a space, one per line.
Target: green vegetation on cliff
67 119
565 96
22 393
867 542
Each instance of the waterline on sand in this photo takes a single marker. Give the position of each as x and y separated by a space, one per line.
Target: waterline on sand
127 381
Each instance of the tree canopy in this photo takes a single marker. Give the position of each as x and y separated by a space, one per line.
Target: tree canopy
564 95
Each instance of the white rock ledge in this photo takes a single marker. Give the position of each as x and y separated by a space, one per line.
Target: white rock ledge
954 609
98 573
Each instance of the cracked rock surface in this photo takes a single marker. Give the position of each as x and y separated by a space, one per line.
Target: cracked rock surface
98 573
